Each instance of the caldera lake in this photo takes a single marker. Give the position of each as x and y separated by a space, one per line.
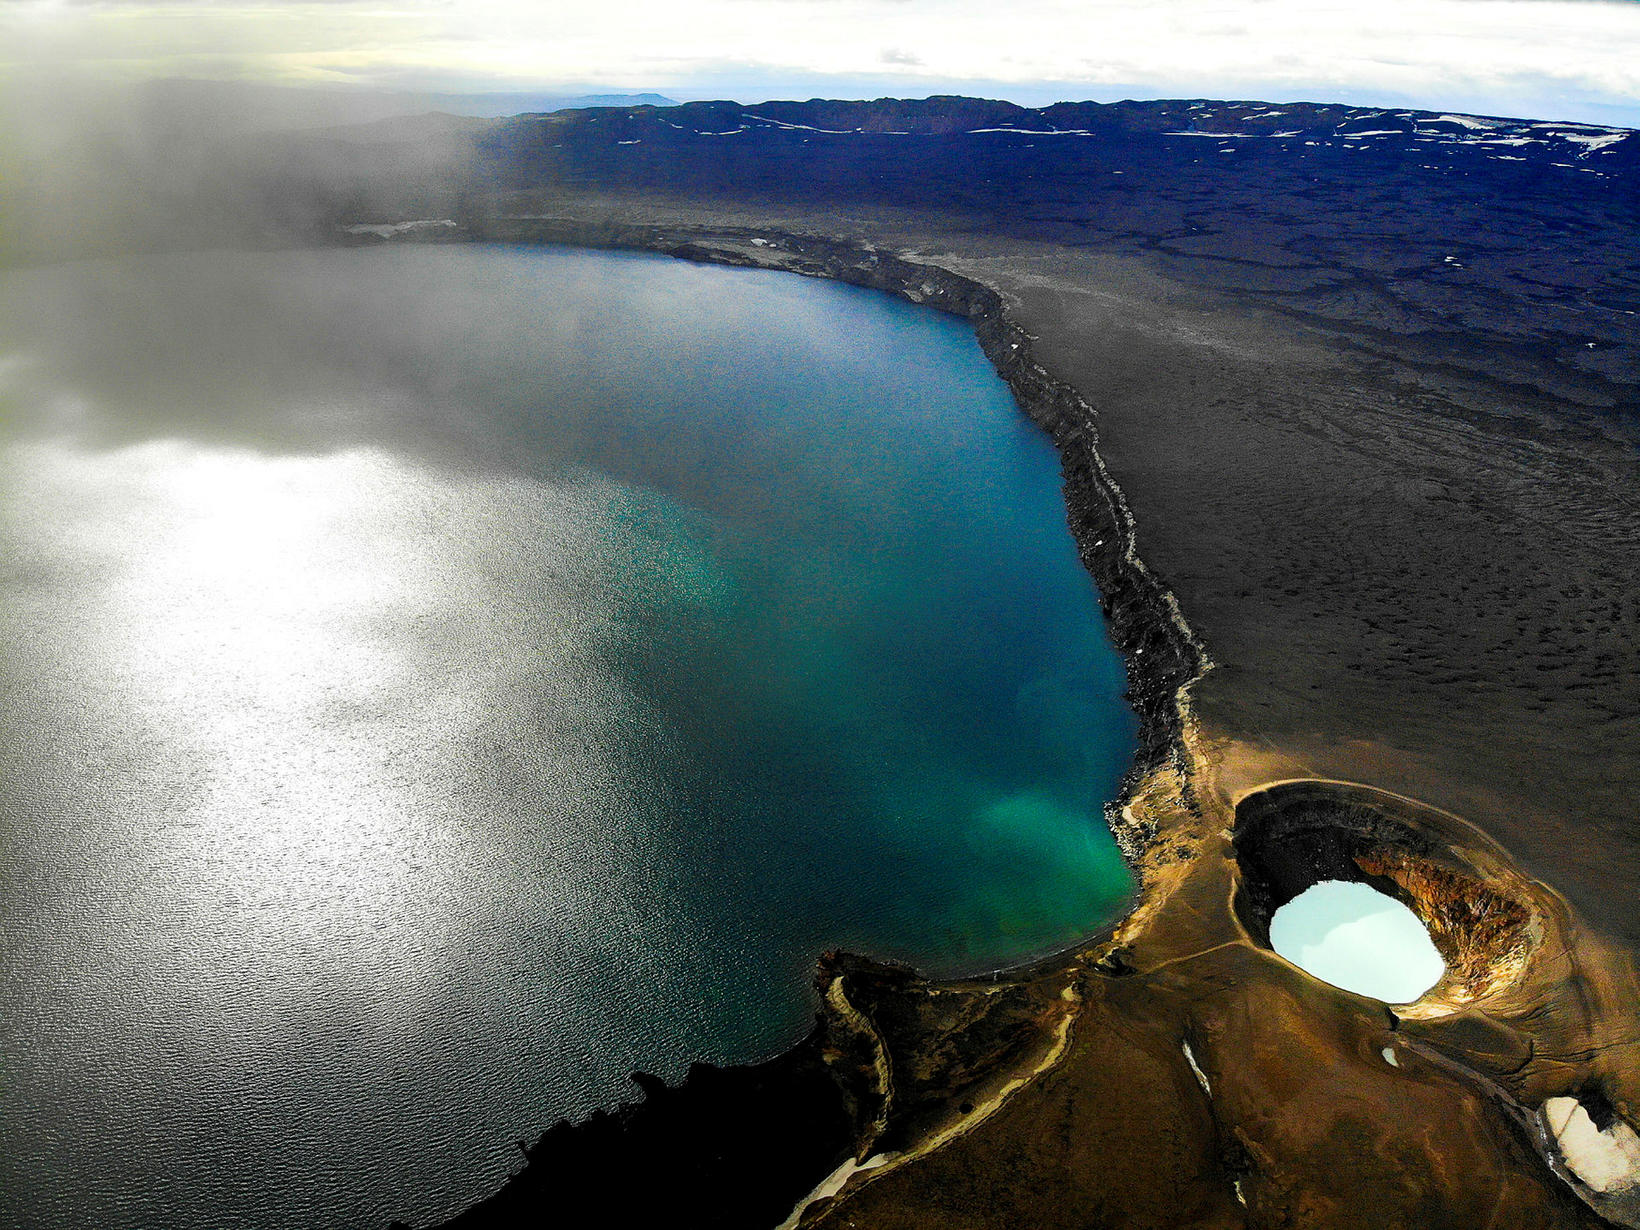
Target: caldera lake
436 681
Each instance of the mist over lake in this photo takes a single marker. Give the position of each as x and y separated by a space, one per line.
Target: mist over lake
437 681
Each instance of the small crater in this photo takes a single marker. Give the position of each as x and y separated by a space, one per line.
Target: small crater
1295 835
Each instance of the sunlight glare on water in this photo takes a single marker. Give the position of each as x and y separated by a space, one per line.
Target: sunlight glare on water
438 682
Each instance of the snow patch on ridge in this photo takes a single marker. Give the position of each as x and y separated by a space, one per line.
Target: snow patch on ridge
1607 1160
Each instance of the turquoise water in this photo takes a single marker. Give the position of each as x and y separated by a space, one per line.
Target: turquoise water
438 681
1355 937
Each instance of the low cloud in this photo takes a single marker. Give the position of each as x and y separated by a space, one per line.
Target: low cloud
1553 59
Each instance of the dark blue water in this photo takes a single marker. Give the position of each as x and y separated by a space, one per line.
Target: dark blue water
436 681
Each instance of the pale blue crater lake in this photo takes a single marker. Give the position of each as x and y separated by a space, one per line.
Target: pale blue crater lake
435 682
1357 938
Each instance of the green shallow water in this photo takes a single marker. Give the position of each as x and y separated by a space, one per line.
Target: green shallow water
438 681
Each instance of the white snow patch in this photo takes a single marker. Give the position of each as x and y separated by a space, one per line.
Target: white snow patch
838 132
1389 1057
1039 132
1468 121
1559 125
1190 1058
1593 143
1606 1161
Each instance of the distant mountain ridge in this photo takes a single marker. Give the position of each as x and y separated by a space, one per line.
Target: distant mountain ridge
1506 248
1305 124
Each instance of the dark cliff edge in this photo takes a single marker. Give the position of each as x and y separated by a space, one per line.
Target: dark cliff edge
740 1146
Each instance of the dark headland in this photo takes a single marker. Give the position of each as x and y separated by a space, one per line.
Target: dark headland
1348 403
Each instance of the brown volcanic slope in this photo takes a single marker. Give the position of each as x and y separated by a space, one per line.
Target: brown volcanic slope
1368 384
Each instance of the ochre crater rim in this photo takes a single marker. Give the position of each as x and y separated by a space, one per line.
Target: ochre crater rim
1481 913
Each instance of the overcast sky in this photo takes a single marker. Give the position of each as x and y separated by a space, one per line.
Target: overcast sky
1560 59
